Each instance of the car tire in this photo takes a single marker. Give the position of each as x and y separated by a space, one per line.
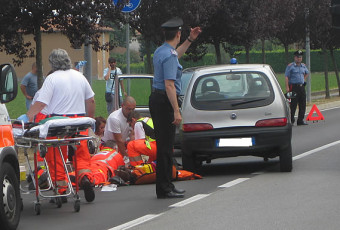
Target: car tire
10 202
286 159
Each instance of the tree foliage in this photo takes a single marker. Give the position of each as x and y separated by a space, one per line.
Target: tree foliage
80 21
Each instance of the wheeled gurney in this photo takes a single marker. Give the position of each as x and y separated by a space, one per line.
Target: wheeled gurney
65 132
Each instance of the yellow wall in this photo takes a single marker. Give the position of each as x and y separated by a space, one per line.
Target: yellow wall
58 40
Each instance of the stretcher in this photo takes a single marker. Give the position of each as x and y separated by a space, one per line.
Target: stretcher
65 132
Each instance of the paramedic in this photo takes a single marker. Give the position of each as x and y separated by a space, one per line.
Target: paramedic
62 98
117 127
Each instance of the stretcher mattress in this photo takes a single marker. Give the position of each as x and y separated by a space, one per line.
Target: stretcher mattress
55 127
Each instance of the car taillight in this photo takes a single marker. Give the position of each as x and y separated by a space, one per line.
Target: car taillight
272 122
196 127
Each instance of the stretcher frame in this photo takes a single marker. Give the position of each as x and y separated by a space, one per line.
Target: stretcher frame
66 136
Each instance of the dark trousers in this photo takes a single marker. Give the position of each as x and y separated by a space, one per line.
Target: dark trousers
162 115
300 100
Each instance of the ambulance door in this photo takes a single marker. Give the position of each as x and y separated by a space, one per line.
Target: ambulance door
10 201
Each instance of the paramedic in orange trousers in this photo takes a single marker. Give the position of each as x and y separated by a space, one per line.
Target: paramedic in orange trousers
163 102
61 98
144 143
104 163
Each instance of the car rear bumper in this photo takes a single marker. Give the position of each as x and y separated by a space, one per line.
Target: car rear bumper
267 142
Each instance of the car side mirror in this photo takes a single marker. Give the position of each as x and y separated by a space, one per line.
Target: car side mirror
290 95
8 83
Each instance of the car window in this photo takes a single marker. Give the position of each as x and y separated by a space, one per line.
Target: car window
139 88
186 76
231 91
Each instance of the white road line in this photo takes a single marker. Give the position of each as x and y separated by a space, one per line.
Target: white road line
146 218
136 222
328 109
315 150
258 173
189 200
232 183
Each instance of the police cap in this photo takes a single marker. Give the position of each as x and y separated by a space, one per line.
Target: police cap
173 24
298 53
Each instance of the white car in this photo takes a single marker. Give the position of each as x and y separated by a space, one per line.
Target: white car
234 110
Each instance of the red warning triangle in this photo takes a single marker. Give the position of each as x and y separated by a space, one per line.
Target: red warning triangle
315 118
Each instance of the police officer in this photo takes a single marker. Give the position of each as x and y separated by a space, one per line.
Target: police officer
296 74
163 102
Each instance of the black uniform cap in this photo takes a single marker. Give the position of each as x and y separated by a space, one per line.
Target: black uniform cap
298 53
173 24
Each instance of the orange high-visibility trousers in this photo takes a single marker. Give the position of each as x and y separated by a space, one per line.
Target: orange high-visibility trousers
37 119
83 160
103 165
54 162
136 148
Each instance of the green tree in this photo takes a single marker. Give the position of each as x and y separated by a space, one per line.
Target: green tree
79 20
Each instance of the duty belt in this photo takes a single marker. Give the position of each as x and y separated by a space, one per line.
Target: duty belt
300 85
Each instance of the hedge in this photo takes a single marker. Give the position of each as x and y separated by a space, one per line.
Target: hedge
277 59
274 58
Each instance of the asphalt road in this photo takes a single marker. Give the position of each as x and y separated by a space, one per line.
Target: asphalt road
235 193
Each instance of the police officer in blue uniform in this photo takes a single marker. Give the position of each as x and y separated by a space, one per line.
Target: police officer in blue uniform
295 75
163 102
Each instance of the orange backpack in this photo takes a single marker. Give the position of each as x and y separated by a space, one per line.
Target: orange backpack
186 175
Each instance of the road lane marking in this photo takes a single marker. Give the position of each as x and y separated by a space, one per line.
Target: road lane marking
258 173
232 183
146 218
136 222
189 200
315 150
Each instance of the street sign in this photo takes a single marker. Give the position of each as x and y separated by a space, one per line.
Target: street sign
130 6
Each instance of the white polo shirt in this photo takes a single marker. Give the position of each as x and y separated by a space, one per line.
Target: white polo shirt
65 92
116 123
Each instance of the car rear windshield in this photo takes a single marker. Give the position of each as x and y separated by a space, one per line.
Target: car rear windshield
228 91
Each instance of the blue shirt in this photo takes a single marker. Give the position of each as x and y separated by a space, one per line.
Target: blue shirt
31 82
166 67
296 73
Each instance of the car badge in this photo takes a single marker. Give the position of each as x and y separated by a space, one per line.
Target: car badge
233 116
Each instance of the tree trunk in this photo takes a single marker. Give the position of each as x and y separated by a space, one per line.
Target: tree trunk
38 57
325 58
218 52
335 68
148 56
286 54
263 51
247 54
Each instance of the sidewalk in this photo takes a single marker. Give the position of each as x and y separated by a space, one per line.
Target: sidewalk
318 98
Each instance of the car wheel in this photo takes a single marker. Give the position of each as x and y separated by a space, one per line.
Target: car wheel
286 159
10 203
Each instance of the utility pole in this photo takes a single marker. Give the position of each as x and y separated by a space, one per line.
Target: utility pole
88 59
309 88
127 44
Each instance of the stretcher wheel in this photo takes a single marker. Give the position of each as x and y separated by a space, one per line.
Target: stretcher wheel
42 150
91 147
37 208
58 202
77 205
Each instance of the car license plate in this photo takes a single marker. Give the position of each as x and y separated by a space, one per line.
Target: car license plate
235 142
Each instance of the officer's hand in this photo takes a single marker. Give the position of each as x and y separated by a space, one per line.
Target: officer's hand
178 118
195 32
